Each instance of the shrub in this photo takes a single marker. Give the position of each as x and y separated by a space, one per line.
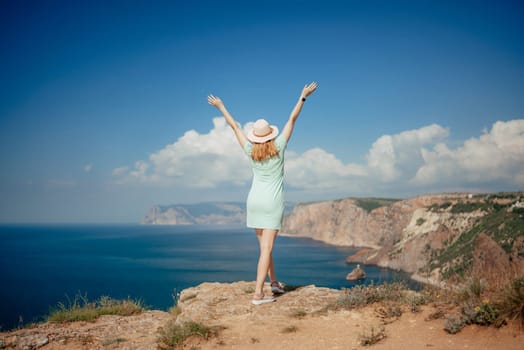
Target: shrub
175 309
473 289
389 291
369 204
389 312
353 297
511 301
414 301
363 295
173 334
299 314
372 336
517 210
476 286
80 309
454 323
290 329
439 207
476 308
439 313
483 314
468 207
486 314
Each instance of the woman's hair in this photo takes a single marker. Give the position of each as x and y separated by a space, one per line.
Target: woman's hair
263 151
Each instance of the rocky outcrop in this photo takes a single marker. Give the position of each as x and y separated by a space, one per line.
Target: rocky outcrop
305 318
425 234
356 275
489 259
209 302
108 332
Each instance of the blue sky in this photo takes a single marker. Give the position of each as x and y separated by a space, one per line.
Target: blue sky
104 113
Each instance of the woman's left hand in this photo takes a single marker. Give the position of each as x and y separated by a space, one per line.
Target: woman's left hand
309 89
215 101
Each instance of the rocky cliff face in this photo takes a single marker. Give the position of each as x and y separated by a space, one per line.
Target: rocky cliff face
429 236
345 222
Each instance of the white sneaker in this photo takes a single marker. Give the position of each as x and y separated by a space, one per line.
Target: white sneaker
277 287
262 300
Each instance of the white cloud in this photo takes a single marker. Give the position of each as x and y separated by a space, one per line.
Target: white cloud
120 171
392 157
195 160
318 169
412 160
495 156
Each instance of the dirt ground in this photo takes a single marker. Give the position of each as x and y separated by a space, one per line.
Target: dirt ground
278 325
343 330
297 320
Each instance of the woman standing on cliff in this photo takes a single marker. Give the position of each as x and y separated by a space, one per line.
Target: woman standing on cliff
265 202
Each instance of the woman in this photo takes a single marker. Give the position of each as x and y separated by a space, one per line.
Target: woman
265 202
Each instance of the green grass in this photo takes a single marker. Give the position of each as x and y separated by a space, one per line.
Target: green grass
440 207
468 207
81 309
174 334
369 204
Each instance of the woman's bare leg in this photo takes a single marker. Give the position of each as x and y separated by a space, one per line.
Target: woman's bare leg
265 261
271 270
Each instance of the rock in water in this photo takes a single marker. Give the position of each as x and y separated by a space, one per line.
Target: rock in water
356 274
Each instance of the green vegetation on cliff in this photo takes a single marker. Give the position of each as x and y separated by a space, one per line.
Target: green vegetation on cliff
368 204
81 309
504 223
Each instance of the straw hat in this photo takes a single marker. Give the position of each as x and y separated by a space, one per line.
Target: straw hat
262 132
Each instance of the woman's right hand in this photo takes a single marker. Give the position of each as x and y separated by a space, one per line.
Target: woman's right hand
309 89
215 101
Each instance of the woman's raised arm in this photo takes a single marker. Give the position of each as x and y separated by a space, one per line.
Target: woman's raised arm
290 125
217 102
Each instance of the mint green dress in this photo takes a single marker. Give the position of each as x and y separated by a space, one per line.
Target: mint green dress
265 201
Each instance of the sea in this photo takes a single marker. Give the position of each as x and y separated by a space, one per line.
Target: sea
43 265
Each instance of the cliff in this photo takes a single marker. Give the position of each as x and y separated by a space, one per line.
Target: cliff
433 237
220 316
